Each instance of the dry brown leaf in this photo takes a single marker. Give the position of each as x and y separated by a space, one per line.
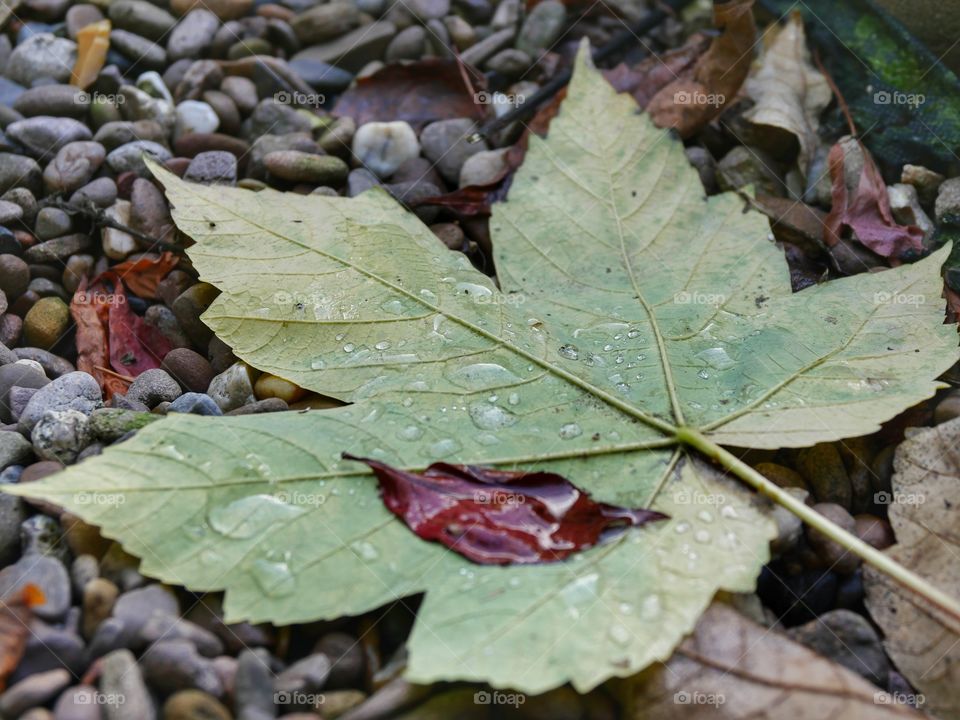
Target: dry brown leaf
731 667
788 92
923 512
701 93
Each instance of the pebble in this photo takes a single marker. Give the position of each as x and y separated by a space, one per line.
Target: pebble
61 435
409 44
192 35
445 143
116 243
13 511
79 702
18 374
73 391
53 366
149 212
195 116
61 246
848 639
14 275
325 22
120 132
19 170
744 166
109 424
484 168
33 691
926 181
41 56
347 656
450 234
99 596
542 27
51 222
322 76
44 136
152 387
120 676
212 167
836 557
85 569
510 62
46 322
226 110
167 627
196 404
304 167
352 51
481 51
266 144
824 470
271 386
271 117
142 18
100 193
79 16
267 405
338 137
874 531
47 573
223 9
382 147
10 213
308 675
242 91
947 204
141 50
14 449
189 368
194 705
73 166
65 100
232 388
172 665
188 308
253 686
129 157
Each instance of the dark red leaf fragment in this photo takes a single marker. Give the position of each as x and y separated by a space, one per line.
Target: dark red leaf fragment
500 517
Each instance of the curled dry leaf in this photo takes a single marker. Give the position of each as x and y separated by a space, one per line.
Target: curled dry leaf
925 496
500 517
866 210
418 93
788 92
732 668
702 92
144 274
113 342
14 627
645 79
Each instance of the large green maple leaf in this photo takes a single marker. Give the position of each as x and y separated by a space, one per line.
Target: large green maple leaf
631 310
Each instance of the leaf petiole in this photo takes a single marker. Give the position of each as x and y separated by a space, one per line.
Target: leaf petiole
695 439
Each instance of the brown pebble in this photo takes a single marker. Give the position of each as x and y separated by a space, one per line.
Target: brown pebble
835 556
99 596
450 234
874 531
781 475
46 322
188 368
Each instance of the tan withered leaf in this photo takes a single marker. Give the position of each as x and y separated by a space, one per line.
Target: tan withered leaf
788 91
923 512
731 667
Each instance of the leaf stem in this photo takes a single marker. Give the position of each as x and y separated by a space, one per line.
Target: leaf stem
867 553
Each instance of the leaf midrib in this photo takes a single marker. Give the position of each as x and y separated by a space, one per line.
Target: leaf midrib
651 420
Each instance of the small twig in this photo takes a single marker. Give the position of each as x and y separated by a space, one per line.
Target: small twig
844 108
108 371
616 45
99 217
